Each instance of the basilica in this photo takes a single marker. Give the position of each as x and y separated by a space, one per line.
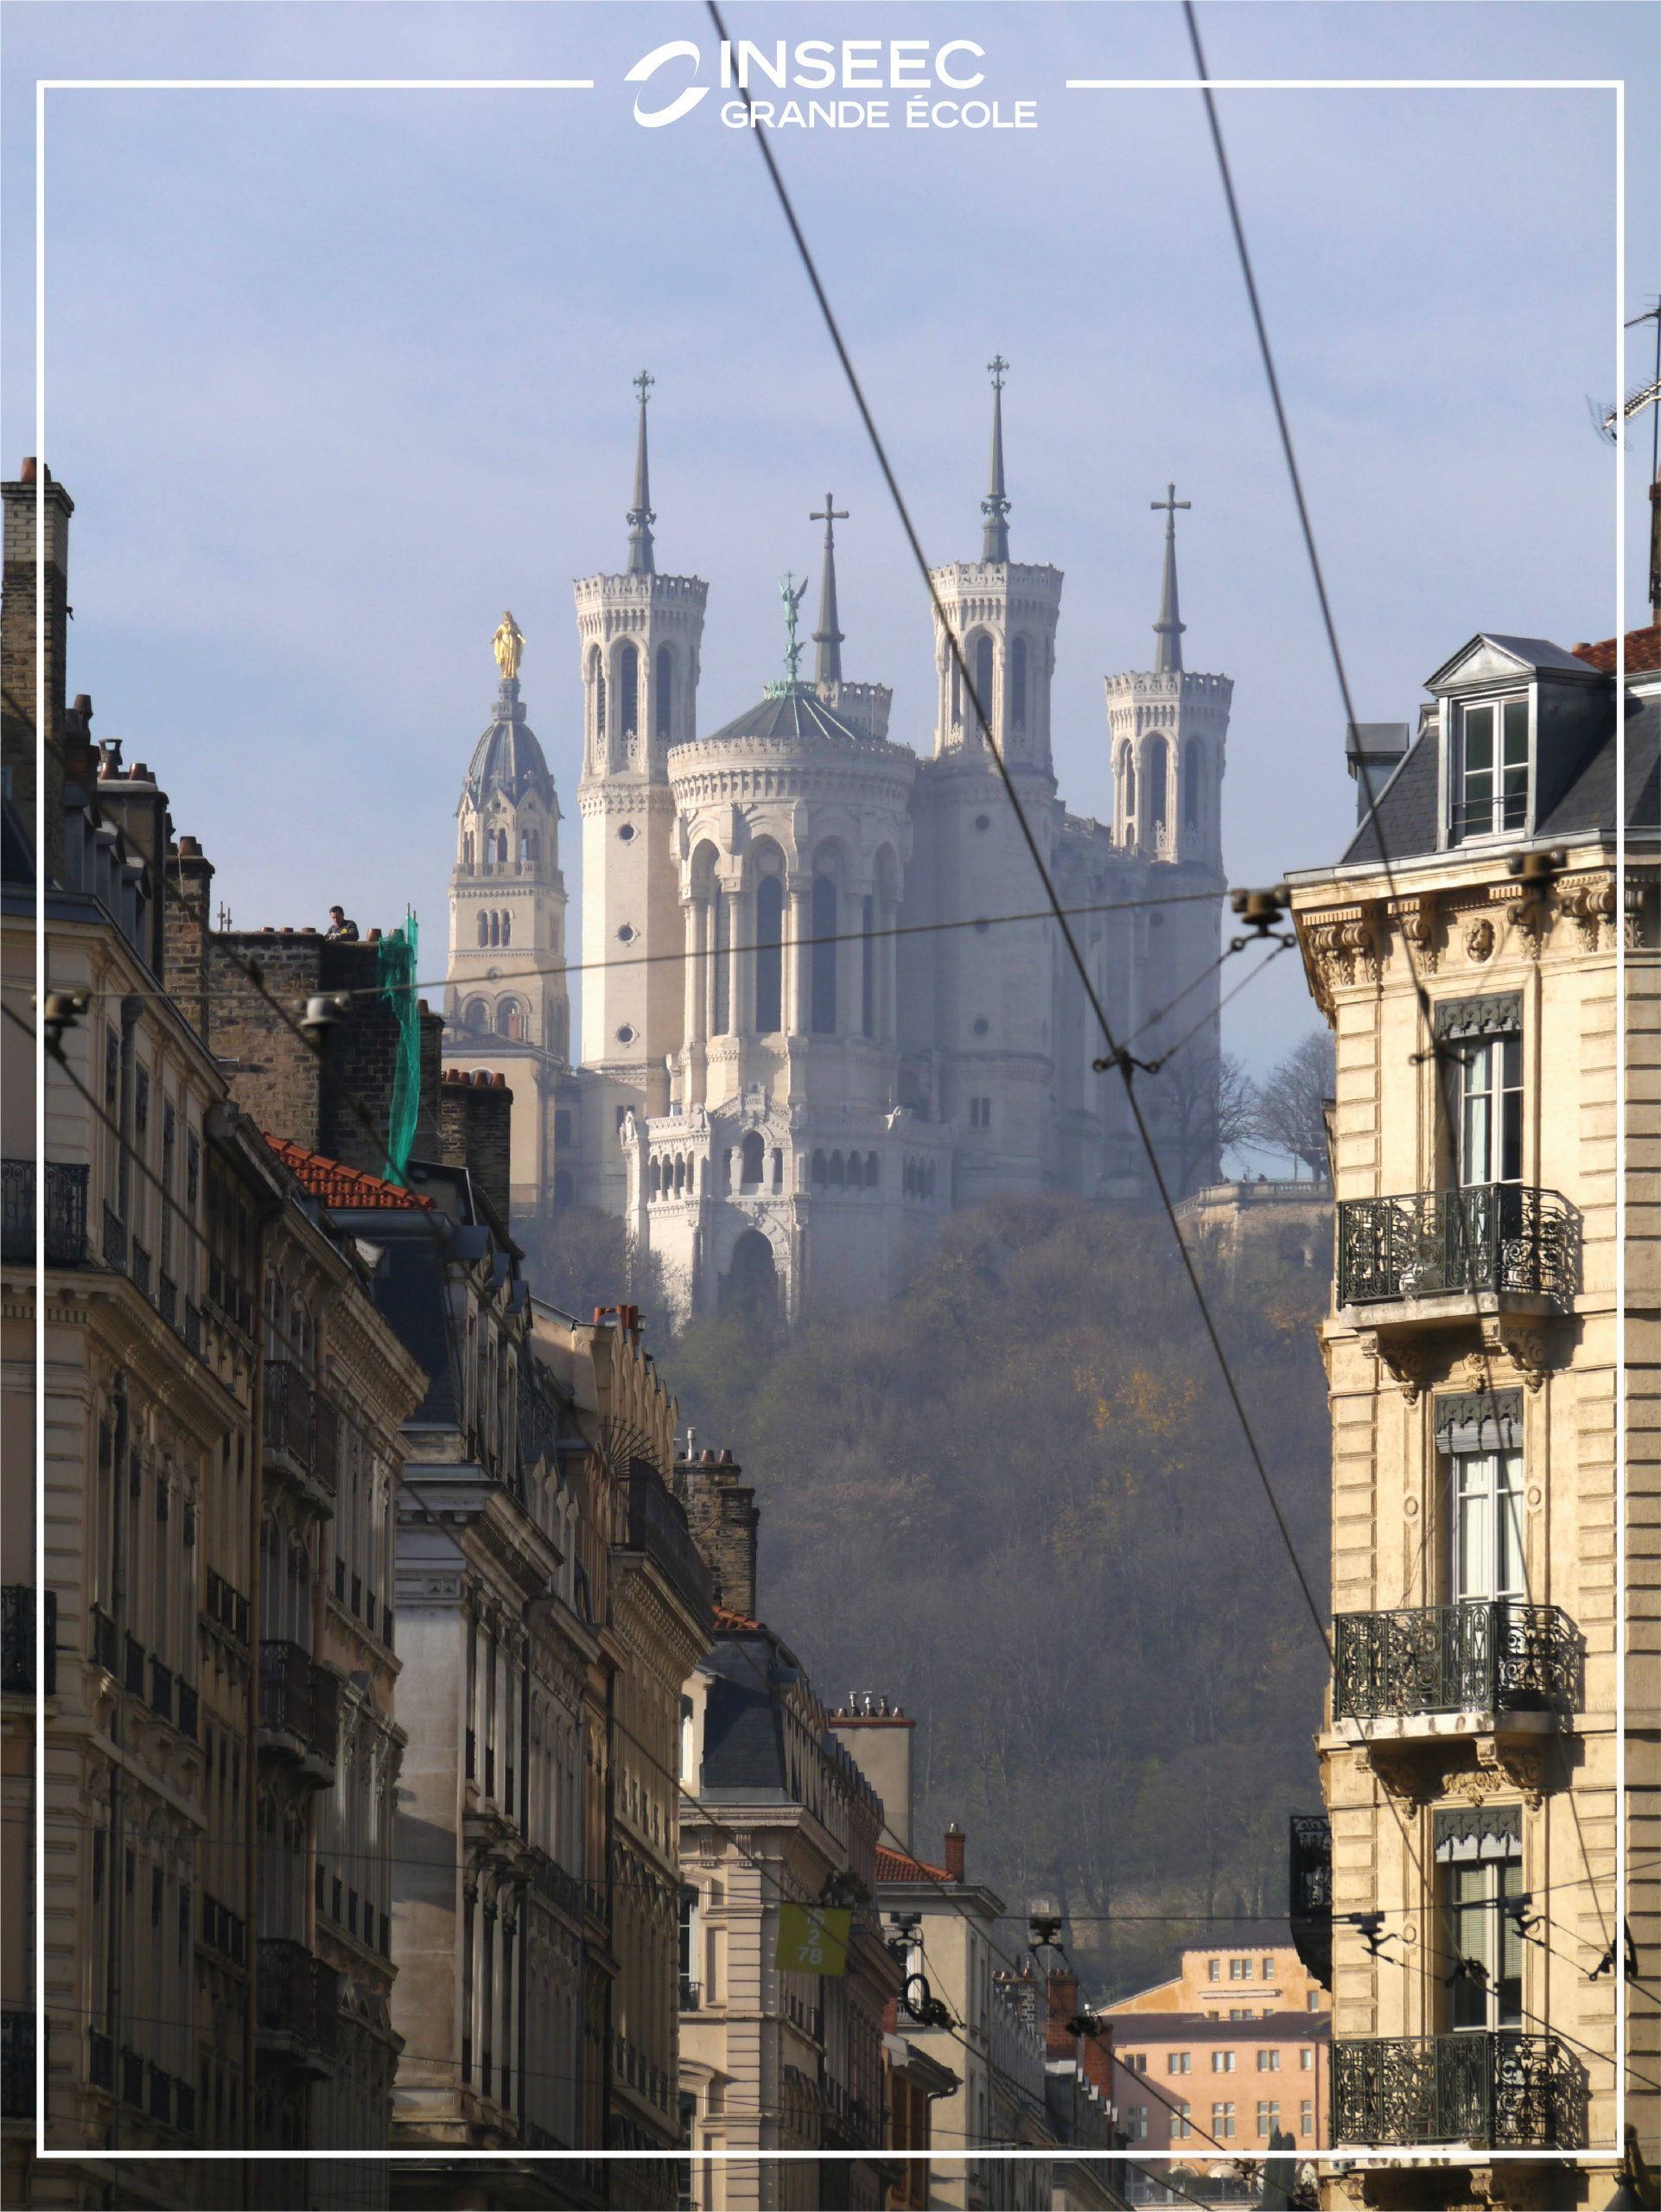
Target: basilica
822 1005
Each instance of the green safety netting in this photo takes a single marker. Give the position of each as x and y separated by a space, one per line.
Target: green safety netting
394 978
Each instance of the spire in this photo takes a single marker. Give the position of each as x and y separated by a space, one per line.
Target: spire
640 517
1168 659
995 537
827 668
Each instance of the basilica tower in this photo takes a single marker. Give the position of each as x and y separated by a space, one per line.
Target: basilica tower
505 1008
990 993
639 636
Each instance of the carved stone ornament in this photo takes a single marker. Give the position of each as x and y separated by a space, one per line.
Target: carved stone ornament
1403 1775
1590 901
1407 1366
1417 918
1526 1349
1514 1766
1479 940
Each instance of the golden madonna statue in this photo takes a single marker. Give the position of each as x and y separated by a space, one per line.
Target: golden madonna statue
508 645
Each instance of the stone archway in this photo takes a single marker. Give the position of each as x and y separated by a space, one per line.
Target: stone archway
751 1282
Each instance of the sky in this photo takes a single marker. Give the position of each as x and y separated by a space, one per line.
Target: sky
334 376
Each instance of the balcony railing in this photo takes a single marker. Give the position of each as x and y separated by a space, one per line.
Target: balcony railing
189 1704
297 2006
161 1690
141 1269
18 2065
115 1240
299 1707
1498 1657
65 1214
17 1640
167 1301
192 1330
1504 1238
1309 1869
106 1644
690 1993
227 1607
133 1677
288 1404
1495 2090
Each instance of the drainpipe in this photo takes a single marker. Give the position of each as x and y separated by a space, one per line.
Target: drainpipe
113 1991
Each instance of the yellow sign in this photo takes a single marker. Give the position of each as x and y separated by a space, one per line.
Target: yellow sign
813 1939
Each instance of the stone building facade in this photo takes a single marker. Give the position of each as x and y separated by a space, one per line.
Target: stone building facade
809 1027
1489 1758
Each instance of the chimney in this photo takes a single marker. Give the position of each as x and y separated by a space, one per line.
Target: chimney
877 1736
23 717
188 929
1380 746
474 1126
132 798
956 1844
428 1143
722 1516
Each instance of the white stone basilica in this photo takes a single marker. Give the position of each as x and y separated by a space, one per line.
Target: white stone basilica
808 1030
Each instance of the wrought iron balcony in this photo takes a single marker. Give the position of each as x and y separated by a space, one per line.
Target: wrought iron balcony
141 1269
192 1329
1504 1239
106 1644
690 1993
289 1401
296 2007
1309 1868
17 1640
18 2065
65 1214
115 1240
167 1301
1493 1658
1496 2089
226 1606
189 1704
299 1709
161 1690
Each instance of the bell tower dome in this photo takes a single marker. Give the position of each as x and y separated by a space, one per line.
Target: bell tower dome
506 1006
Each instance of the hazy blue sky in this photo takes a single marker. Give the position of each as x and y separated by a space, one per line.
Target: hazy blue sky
335 376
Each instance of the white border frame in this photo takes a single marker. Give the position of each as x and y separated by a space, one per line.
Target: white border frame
1413 2158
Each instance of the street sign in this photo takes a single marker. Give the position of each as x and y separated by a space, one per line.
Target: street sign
813 1939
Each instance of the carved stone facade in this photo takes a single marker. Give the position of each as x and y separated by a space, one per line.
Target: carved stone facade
1494 1469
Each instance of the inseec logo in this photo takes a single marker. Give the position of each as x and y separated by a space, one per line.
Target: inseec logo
919 83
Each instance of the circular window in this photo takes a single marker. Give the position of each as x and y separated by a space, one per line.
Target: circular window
625 833
982 1024
983 822
626 935
625 1034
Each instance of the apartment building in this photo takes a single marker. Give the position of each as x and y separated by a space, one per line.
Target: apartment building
1484 953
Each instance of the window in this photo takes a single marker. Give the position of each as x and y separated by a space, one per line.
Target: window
1181 2061
1156 775
1307 2117
822 975
1191 775
1222 2062
868 968
1239 1969
1240 2012
1311 2002
1491 1111
1018 684
1136 2118
984 691
769 953
980 1113
1269 2117
1137 2062
1489 1994
665 667
1487 1523
1222 2122
1267 1969
1305 2054
1181 2124
1269 2062
629 690
1213 1969
1492 779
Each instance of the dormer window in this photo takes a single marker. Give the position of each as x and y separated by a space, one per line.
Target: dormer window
1491 787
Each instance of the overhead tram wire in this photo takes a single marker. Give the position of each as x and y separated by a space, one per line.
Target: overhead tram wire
679 955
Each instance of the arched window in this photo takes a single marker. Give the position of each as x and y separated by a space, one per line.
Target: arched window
654 1177
1192 771
484 927
956 694
474 1017
628 691
769 953
873 1171
1156 769
777 1168
825 956
467 849
493 928
1018 684
751 1282
867 967
509 1020
984 681
751 1154
665 667
837 1179
818 1167
599 698
507 929
1128 773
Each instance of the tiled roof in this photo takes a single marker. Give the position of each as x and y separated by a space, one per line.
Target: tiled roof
725 1618
339 1186
897 1866
1643 652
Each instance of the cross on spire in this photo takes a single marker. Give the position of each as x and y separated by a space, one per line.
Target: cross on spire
1167 661
827 666
640 517
994 533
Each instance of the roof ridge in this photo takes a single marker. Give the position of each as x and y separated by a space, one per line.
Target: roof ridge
336 1183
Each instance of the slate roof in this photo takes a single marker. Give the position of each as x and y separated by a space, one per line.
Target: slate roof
338 1185
795 710
743 1730
508 757
1405 806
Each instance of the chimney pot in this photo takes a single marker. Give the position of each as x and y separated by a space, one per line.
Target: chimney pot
498 1081
190 848
26 474
956 1844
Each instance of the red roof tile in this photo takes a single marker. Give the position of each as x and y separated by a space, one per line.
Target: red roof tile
897 1866
339 1186
725 1618
1643 652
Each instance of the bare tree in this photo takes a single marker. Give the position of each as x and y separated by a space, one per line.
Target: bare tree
1290 1114
1210 1104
